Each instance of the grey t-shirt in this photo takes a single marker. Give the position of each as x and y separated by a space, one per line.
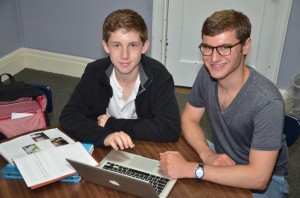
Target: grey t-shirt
254 119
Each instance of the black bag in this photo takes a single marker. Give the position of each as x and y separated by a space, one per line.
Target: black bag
18 99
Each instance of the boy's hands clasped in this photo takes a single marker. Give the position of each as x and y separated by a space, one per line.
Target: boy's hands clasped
174 165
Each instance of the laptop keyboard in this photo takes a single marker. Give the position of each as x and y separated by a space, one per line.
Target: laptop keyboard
157 182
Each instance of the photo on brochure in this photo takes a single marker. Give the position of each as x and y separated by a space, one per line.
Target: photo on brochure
59 141
32 148
39 137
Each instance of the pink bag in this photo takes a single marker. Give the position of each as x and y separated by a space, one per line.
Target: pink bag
22 108
34 108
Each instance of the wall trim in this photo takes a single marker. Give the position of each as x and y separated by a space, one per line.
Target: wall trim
13 62
43 61
159 30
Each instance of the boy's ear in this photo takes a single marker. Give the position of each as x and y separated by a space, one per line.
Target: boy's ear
105 46
146 46
246 46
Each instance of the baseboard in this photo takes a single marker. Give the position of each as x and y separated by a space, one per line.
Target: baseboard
13 62
43 61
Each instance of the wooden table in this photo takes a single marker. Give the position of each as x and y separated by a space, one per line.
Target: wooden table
186 188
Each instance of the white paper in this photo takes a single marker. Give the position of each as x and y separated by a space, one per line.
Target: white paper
51 164
19 115
41 156
33 142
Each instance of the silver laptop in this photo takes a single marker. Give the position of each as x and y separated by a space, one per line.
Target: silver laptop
129 173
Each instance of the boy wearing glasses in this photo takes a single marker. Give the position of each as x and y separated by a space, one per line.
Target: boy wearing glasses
245 111
125 96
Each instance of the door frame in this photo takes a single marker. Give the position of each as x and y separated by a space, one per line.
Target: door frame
160 27
159 30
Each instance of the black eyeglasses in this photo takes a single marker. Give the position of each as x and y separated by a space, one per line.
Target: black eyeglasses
223 50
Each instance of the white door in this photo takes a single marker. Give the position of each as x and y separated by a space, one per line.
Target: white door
177 33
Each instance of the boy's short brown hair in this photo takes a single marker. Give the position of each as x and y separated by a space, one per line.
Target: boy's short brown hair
227 20
127 19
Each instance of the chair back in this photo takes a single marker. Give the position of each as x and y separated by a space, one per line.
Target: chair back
291 129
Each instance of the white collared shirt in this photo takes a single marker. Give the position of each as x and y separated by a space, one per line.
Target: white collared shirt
118 108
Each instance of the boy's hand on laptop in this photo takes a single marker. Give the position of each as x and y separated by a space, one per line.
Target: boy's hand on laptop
119 140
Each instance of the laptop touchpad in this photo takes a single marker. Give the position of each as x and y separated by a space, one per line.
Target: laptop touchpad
142 163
